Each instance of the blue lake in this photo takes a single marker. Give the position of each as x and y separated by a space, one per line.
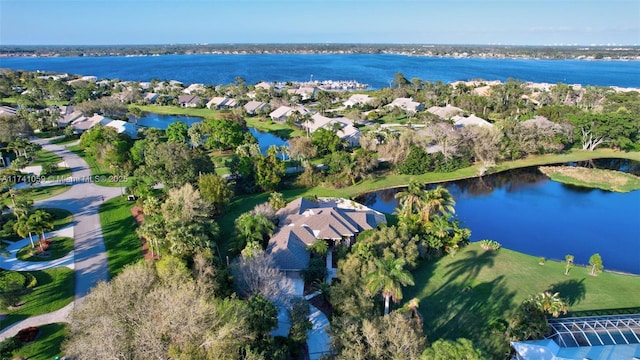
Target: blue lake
377 70
526 212
162 121
265 139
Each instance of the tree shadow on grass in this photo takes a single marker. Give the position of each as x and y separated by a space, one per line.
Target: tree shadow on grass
467 269
457 310
572 291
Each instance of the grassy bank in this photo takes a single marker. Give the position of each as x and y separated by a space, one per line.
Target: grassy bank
59 247
609 180
118 230
46 346
176 110
498 282
54 291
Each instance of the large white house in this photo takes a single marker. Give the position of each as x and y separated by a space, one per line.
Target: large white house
407 104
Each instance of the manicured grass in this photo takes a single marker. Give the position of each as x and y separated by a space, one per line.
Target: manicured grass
48 134
47 345
177 110
43 157
118 230
499 281
40 192
59 247
267 125
54 291
609 180
65 140
98 171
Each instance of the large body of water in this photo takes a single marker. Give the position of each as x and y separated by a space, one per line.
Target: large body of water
376 70
526 212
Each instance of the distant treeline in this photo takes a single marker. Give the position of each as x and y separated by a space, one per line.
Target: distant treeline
492 51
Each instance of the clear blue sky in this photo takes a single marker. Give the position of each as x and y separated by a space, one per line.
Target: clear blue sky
517 22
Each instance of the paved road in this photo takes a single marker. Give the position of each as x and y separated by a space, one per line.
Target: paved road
83 200
90 259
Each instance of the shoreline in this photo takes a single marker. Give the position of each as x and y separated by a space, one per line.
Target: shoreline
394 53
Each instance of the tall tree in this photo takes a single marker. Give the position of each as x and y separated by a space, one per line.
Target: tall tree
388 278
438 200
177 131
216 191
568 263
42 222
25 226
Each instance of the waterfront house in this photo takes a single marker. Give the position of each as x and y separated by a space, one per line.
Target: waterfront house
221 103
256 107
150 97
305 93
121 127
264 85
189 100
84 123
303 222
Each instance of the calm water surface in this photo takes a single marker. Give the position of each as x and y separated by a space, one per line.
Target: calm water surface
526 212
377 70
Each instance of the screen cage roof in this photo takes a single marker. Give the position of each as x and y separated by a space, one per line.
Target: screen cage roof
596 330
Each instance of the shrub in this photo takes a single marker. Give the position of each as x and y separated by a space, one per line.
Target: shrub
30 281
490 245
8 346
542 260
27 334
317 271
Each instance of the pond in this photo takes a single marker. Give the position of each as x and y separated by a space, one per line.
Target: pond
525 211
162 121
158 121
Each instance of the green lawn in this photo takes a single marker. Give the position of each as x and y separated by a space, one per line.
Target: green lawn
43 157
176 110
98 171
118 229
59 247
54 291
499 282
65 140
267 125
47 345
40 192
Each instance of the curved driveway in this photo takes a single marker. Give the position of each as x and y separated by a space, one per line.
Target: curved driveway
90 260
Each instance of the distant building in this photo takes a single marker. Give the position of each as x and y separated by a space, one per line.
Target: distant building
358 99
407 104
460 122
255 107
220 103
305 93
346 131
150 97
445 112
193 88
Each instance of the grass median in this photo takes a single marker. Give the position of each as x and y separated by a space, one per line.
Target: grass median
47 345
54 290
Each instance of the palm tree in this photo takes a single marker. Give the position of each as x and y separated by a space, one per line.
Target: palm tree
42 222
388 278
569 263
284 151
438 200
24 227
551 303
411 200
22 207
252 227
152 229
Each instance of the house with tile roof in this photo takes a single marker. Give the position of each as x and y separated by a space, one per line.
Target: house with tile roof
303 222
445 112
463 121
189 100
281 113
